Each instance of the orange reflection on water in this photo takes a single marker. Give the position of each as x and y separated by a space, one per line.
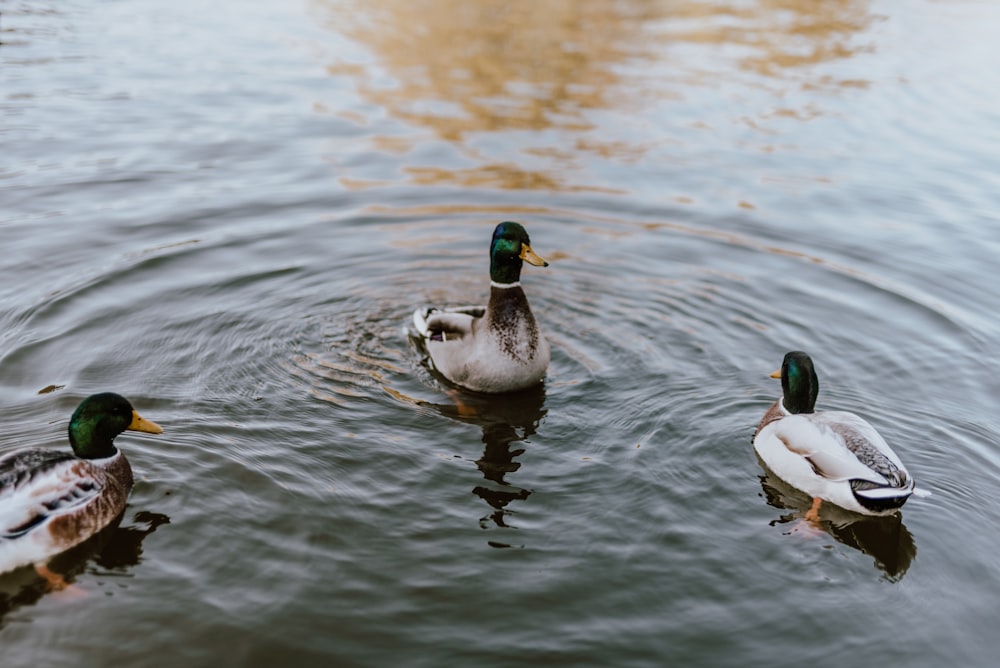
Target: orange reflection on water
489 65
539 72
777 35
506 175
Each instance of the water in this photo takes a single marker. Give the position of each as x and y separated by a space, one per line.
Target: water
229 215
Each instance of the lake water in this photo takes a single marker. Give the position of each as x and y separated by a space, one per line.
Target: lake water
228 213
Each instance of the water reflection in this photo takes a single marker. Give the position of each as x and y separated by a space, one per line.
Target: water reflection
885 539
115 549
507 421
778 38
459 71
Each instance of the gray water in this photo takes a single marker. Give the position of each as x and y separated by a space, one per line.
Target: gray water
227 214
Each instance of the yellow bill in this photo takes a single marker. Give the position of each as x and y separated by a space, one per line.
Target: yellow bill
140 423
531 257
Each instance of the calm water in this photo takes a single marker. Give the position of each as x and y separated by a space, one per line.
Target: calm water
229 215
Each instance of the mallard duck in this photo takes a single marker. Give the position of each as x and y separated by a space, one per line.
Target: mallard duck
497 347
831 455
52 500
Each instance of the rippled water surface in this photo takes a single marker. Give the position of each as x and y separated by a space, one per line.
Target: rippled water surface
228 215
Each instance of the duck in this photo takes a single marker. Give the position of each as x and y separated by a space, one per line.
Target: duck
498 347
52 500
833 456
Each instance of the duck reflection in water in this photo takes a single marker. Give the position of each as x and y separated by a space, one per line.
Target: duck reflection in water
507 421
885 539
115 549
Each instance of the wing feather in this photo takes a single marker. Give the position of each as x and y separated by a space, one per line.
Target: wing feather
445 326
825 447
37 485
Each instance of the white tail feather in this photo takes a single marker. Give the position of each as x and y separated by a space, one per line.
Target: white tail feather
420 320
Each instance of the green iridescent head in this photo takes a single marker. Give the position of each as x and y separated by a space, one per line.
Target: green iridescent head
509 250
799 384
101 417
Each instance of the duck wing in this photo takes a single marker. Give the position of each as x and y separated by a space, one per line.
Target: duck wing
838 448
449 324
38 484
869 448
